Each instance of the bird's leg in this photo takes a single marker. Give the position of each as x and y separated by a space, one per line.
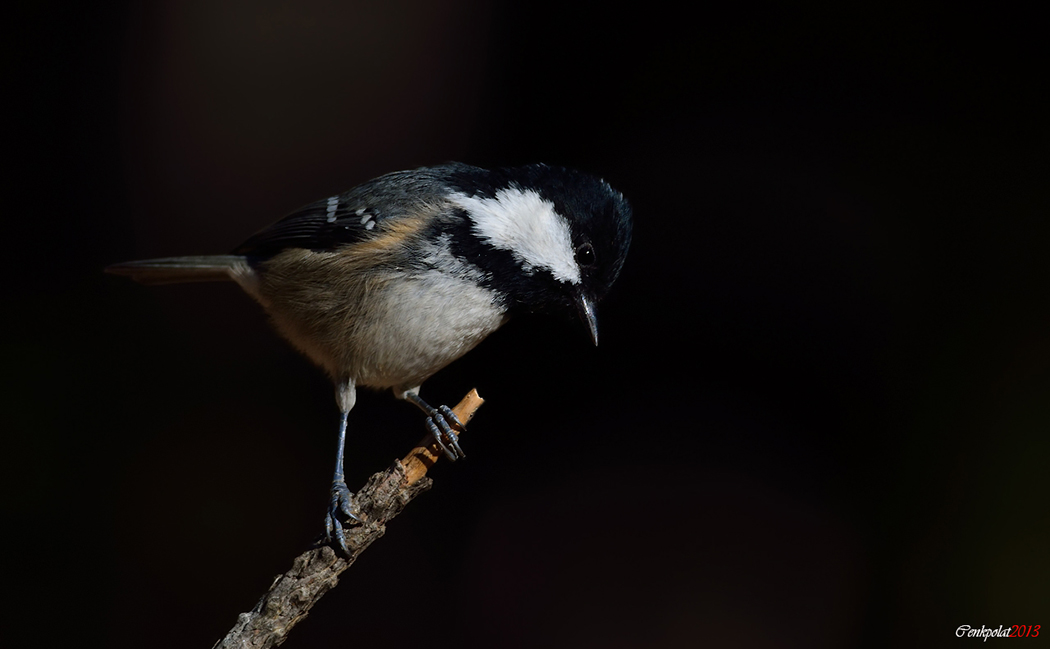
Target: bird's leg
341 501
440 422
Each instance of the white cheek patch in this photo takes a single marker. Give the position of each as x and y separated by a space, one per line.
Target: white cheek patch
521 222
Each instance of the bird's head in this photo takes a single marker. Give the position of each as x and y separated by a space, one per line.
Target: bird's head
548 238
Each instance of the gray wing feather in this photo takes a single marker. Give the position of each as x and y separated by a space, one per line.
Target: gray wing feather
325 225
352 216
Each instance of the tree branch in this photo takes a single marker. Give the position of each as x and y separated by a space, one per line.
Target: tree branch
315 572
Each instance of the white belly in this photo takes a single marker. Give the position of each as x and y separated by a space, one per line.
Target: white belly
419 327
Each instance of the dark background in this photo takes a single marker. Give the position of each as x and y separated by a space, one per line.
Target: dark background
818 416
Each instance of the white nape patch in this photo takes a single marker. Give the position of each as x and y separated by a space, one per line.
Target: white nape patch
333 205
520 221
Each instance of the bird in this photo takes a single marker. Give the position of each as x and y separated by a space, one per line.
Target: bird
387 283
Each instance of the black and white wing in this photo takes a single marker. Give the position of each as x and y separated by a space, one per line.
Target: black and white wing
323 225
356 215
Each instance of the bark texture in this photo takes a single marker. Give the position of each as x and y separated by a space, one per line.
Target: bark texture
316 571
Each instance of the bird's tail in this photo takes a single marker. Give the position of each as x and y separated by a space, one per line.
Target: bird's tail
175 270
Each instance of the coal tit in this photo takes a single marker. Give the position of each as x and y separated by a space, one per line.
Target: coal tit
385 284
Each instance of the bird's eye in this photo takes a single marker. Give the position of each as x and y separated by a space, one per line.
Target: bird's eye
585 254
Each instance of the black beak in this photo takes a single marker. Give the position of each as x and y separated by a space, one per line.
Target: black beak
585 306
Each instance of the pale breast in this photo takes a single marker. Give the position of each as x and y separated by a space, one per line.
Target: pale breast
417 326
383 326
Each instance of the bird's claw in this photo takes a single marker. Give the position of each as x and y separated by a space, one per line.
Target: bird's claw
340 511
440 424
